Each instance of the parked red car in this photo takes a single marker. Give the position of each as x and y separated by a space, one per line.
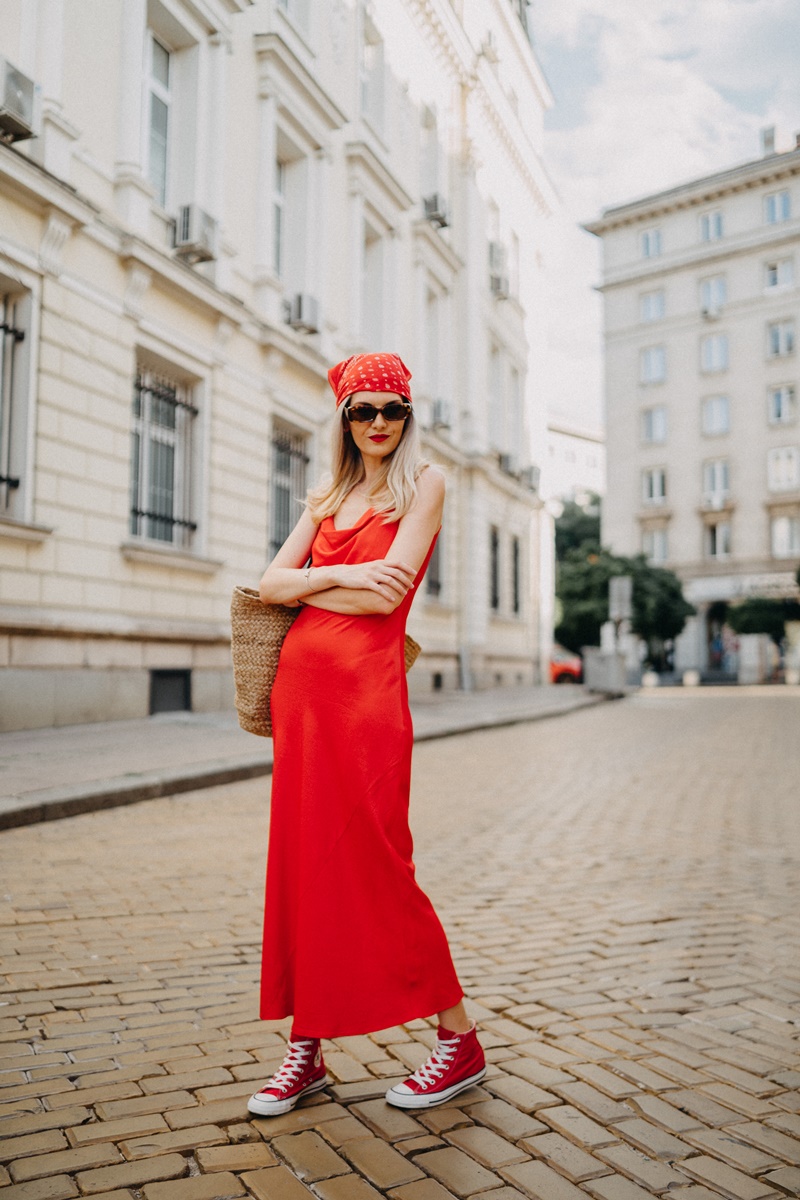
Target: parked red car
565 667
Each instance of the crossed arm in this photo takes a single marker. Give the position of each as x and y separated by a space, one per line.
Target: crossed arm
354 588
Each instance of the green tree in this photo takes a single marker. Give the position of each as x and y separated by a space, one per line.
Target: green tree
578 526
758 614
659 608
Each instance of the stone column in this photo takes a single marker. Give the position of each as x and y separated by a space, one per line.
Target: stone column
316 272
356 258
53 148
133 194
265 282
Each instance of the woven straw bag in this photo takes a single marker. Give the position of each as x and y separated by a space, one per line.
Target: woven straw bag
257 633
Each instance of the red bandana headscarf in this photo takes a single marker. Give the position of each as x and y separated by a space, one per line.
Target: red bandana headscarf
370 373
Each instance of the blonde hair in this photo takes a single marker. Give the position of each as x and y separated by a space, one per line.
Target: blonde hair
395 488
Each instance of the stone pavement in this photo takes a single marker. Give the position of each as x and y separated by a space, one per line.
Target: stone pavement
46 774
620 889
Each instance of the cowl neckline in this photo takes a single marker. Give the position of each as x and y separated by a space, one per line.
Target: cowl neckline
349 528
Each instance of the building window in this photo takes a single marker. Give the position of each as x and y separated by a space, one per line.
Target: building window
170 691
783 469
515 438
433 575
159 101
718 539
716 480
288 485
651 243
430 152
497 438
372 75
711 226
654 424
372 287
780 339
713 294
162 459
714 352
777 207
779 273
516 575
651 305
653 364
15 314
781 405
654 485
494 568
785 536
279 217
513 265
715 415
655 545
296 10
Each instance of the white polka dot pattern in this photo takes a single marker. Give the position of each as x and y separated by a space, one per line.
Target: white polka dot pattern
370 373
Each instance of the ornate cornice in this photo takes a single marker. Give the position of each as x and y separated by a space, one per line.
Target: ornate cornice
697 192
364 165
282 74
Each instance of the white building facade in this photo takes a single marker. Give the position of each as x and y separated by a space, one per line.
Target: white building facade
575 464
703 430
224 198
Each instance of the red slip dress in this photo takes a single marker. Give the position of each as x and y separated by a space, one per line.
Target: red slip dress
351 942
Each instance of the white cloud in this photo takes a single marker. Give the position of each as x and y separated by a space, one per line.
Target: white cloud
655 92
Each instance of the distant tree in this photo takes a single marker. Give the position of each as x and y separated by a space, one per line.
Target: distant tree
761 615
578 525
659 608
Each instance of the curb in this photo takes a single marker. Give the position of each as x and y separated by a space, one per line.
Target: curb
53 804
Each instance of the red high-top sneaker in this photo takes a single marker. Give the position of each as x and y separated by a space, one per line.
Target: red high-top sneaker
456 1064
301 1073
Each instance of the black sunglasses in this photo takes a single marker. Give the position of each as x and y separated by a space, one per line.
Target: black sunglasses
396 410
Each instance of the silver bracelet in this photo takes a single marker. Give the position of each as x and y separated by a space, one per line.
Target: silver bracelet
307 573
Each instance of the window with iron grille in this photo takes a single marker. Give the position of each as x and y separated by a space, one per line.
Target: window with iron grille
516 595
433 575
12 425
289 463
494 567
162 459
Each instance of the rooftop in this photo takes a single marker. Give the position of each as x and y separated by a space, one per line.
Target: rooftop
767 169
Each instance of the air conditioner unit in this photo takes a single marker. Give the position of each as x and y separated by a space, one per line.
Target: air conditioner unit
195 235
303 313
489 48
507 463
529 477
440 414
499 286
18 95
435 210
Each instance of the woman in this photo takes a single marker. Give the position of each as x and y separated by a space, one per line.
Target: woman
351 942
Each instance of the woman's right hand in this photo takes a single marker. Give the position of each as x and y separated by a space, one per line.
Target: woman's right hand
387 577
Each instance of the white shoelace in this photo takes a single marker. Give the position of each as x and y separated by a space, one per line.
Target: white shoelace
292 1066
438 1062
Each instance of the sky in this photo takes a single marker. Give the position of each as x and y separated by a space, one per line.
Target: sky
648 94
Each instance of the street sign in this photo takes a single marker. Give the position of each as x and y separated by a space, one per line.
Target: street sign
620 598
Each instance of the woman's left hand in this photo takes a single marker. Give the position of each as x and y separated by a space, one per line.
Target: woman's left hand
389 578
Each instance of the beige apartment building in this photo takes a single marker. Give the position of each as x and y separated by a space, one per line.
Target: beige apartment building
203 204
703 438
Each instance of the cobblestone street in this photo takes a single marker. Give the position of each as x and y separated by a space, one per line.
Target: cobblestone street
620 887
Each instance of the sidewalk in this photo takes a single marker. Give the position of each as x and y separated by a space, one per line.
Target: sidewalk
50 773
